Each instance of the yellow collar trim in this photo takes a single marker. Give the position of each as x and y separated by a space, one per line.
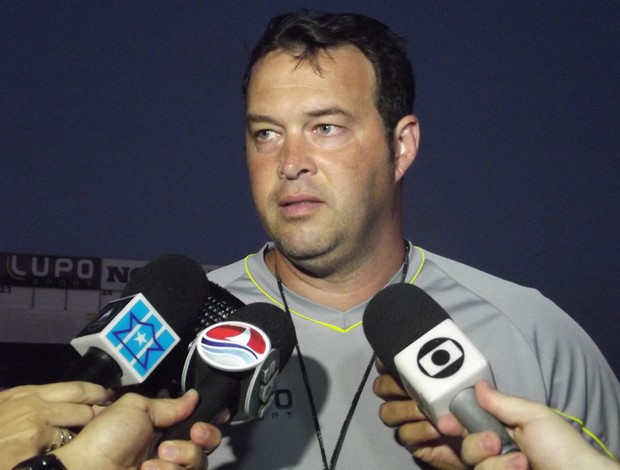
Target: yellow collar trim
327 325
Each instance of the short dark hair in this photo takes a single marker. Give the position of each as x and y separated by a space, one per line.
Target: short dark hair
307 33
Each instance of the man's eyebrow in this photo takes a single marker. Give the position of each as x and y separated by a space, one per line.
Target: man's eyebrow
250 118
330 112
264 118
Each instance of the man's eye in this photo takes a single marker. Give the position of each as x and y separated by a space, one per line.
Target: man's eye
264 134
326 129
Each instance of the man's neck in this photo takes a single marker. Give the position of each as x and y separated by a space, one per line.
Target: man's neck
343 288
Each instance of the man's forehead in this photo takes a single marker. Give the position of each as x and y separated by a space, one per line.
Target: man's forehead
345 64
319 60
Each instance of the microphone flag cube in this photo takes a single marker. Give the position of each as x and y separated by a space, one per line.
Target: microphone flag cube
131 331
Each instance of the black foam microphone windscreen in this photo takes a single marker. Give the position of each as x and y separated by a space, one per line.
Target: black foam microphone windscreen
418 342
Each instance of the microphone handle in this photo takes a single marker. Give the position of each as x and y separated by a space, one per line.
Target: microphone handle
95 366
218 390
465 407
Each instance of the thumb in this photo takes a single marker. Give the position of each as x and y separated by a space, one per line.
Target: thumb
510 410
165 412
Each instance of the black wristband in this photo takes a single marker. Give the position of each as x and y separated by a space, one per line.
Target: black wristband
41 462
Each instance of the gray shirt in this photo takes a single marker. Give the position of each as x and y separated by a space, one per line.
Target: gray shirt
536 351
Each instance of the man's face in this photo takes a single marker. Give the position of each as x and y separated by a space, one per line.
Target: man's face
322 178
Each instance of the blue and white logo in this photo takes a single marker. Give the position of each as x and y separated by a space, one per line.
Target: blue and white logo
141 336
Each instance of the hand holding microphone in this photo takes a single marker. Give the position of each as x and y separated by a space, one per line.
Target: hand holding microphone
141 338
234 364
144 337
119 436
36 418
417 341
546 440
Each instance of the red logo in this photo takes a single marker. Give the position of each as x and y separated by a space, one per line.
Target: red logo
233 346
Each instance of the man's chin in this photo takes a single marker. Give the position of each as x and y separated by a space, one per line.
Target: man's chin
304 249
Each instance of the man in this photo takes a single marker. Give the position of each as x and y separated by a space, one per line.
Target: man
330 135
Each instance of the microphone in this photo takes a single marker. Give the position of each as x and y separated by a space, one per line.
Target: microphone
438 365
219 304
234 365
132 335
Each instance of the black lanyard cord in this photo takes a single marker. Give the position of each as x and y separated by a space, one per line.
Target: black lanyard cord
315 417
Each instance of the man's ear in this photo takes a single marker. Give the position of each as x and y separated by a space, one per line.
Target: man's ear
406 142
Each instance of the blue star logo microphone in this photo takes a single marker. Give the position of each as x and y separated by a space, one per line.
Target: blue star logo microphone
144 334
134 333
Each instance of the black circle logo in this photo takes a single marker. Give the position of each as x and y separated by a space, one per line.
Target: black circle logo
441 357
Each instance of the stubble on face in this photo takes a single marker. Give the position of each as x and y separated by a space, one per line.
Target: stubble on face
353 182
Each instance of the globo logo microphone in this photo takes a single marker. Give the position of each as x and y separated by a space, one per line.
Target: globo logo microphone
233 346
417 340
441 357
439 364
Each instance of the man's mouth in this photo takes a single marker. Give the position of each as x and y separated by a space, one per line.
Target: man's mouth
299 199
299 204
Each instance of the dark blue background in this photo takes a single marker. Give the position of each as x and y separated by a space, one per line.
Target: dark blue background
122 135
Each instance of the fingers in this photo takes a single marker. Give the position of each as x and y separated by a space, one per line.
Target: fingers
414 429
175 454
449 425
73 392
397 412
205 435
442 454
413 435
204 439
32 415
420 437
159 464
512 411
58 404
387 387
482 450
480 446
511 461
186 454
68 414
164 412
77 392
